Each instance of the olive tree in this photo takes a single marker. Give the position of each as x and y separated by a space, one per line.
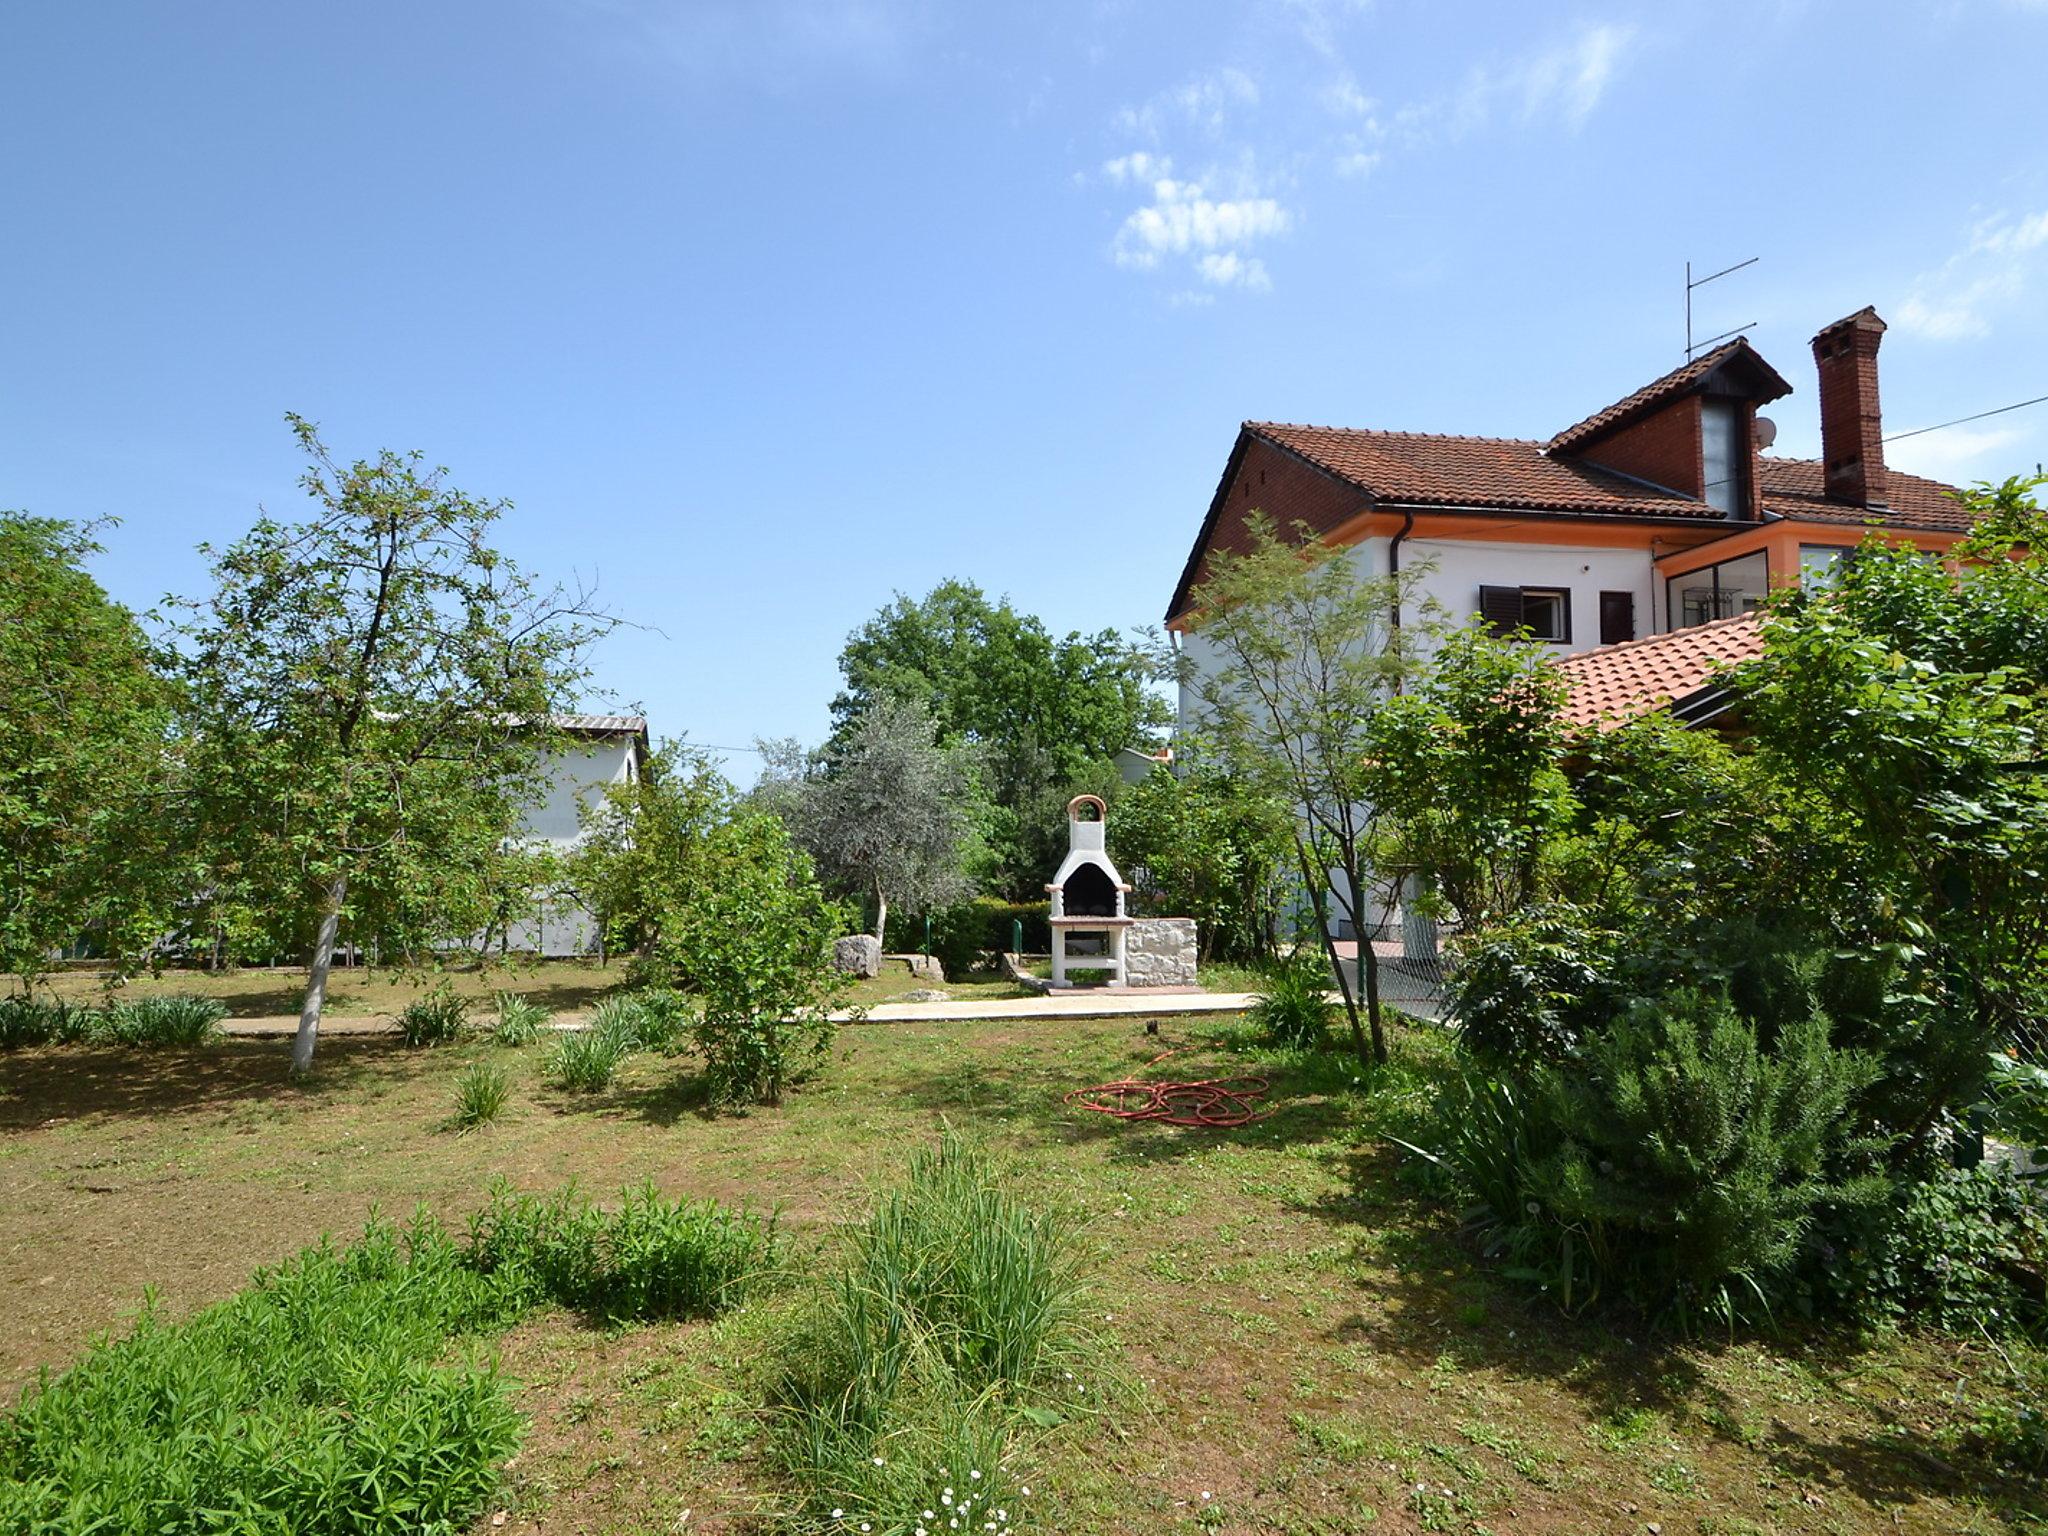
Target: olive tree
370 694
886 812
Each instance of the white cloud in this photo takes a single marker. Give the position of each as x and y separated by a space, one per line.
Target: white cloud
1320 20
1953 454
1355 162
1137 166
1958 300
1183 228
1181 219
1227 269
1562 82
1569 80
1205 101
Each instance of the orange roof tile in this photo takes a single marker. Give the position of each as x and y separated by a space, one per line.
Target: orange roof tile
1796 488
1425 468
1669 387
1617 683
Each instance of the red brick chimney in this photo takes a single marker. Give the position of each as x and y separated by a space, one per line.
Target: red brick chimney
1851 429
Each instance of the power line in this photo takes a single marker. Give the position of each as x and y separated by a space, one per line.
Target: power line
1917 431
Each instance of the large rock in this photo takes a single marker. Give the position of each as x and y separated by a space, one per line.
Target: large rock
1160 952
858 954
927 968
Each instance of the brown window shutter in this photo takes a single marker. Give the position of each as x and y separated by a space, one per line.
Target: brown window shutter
1617 617
1501 607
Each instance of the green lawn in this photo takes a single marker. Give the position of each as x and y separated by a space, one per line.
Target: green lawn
1304 1337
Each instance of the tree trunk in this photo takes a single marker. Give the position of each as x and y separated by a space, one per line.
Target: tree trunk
316 979
1319 903
881 916
1369 968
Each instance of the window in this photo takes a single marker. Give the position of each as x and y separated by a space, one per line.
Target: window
1617 617
1718 592
1721 459
1544 612
1820 564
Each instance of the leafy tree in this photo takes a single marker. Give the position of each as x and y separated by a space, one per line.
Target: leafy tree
1306 650
644 849
85 756
1049 711
885 811
1468 768
370 694
1202 843
754 939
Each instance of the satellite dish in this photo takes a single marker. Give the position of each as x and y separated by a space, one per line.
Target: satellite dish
1766 432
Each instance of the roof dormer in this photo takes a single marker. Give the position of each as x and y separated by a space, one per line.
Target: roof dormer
1692 431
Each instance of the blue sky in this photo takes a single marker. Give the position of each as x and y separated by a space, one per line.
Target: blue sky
762 309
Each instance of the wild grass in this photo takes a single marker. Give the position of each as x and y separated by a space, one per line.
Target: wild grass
649 1019
480 1095
321 1398
954 1318
652 1257
434 1019
1293 1007
586 1061
144 1022
344 1391
520 1021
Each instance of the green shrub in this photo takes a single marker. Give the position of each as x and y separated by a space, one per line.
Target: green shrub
1694 1159
324 1397
480 1093
1293 1008
520 1020
586 1060
1957 1248
651 1258
434 1019
964 933
757 943
161 1020
1523 991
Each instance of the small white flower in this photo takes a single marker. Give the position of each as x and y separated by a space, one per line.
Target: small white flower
974 1474
929 1515
1205 1495
838 1514
865 1526
1026 1492
946 1497
878 1461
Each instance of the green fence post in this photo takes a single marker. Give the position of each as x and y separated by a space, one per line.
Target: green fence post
1016 935
927 936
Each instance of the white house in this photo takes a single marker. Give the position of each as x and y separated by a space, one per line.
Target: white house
603 750
1657 513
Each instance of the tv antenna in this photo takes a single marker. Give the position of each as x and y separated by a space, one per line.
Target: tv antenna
1691 283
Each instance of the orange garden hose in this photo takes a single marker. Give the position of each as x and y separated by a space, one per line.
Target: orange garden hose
1213 1102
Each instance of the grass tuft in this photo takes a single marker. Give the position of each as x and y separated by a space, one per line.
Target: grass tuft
480 1094
520 1020
955 1319
145 1022
586 1061
434 1019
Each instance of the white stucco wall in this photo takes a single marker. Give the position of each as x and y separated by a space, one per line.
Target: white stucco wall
575 777
1461 568
1455 570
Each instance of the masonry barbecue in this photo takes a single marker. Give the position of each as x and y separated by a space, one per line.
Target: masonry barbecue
1088 919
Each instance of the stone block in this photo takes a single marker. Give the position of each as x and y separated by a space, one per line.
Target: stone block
858 954
1160 952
